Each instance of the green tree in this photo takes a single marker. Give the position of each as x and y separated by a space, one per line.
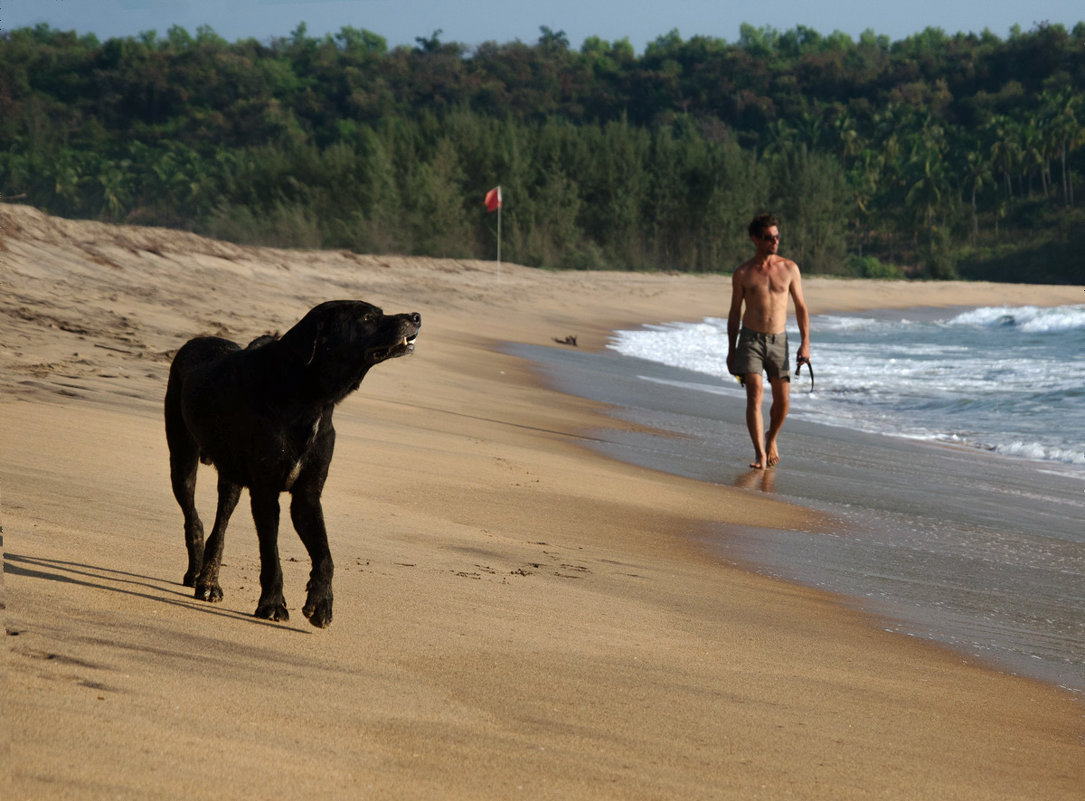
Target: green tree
976 176
948 144
811 195
1062 113
1005 151
435 215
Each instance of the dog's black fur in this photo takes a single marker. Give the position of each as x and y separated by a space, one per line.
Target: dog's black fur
262 416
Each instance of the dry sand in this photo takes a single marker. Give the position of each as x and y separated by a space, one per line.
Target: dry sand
515 615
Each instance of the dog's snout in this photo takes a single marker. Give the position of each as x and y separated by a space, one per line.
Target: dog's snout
416 318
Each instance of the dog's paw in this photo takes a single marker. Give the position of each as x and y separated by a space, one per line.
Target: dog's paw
208 591
189 580
272 610
319 612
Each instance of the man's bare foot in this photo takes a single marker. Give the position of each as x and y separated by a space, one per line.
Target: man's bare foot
772 456
771 459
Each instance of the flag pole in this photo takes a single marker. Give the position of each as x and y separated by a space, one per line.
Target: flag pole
493 202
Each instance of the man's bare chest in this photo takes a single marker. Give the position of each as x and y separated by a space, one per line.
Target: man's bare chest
769 282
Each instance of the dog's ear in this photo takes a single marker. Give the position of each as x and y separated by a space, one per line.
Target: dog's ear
312 351
303 340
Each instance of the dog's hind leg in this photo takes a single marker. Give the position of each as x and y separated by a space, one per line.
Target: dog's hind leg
183 476
308 518
265 513
207 585
184 460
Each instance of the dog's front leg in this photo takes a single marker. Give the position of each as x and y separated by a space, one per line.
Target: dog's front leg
308 518
265 513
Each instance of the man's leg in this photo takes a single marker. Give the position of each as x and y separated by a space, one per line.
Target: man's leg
754 420
781 404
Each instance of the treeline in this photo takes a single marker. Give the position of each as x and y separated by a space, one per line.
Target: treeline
936 155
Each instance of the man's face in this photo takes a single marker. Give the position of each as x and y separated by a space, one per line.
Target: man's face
769 241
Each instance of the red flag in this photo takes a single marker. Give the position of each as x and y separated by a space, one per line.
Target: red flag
493 199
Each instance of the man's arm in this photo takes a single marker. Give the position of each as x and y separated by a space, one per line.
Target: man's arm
802 314
734 316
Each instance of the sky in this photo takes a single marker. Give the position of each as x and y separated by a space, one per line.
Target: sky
472 22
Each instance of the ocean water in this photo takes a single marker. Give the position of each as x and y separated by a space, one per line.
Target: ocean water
948 447
1007 379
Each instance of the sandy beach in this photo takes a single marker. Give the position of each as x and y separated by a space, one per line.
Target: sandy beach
516 615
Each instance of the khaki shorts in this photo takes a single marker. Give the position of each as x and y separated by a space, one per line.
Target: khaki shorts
757 353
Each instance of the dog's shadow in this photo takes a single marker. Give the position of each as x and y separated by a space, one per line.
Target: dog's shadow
123 582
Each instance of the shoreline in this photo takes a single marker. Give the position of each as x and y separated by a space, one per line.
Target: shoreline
515 614
1011 522
901 545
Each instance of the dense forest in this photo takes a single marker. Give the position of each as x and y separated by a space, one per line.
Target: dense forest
934 156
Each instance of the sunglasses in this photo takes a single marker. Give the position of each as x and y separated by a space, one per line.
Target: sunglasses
770 237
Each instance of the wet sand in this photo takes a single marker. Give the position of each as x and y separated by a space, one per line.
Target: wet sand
974 549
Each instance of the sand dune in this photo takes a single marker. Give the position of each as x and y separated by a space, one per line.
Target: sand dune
515 615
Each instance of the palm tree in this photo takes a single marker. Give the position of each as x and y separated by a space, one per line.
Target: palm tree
977 175
1033 152
809 128
1061 112
925 171
780 137
925 195
113 181
863 178
848 137
68 178
1005 152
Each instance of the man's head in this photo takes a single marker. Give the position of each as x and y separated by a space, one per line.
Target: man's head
765 233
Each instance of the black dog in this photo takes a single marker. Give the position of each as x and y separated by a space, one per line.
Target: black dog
263 417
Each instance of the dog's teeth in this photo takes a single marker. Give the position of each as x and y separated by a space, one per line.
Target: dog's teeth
404 342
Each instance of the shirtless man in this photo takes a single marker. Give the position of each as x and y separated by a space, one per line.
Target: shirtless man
764 284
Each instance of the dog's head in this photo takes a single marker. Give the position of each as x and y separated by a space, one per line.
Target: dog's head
338 341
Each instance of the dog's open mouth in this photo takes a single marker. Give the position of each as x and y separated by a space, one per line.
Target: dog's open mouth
404 347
